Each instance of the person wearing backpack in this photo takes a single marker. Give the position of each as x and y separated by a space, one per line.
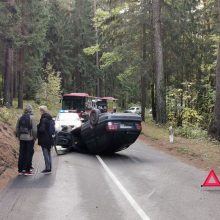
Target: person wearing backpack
26 131
45 132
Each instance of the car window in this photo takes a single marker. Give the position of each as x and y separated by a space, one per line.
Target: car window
132 108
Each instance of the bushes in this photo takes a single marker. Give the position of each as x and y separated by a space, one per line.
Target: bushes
190 124
9 115
185 117
191 104
49 92
191 117
5 115
191 132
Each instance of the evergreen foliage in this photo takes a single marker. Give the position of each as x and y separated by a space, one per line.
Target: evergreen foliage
112 50
50 87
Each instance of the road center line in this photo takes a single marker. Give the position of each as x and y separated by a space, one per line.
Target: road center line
130 199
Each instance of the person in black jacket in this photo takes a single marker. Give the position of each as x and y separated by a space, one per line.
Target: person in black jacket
26 132
45 139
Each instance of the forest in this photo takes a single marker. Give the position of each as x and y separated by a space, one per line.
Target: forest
160 54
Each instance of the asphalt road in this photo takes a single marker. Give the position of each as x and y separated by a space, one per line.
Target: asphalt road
138 183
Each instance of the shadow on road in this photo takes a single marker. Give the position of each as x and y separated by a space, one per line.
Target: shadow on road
38 181
124 158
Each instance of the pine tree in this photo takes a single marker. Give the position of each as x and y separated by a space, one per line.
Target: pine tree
214 129
160 78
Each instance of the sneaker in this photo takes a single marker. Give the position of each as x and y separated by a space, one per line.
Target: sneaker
21 173
46 171
28 173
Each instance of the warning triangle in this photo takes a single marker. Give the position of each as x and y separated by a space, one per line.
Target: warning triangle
211 180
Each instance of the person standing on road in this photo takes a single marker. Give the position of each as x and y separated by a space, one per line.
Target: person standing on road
26 131
46 130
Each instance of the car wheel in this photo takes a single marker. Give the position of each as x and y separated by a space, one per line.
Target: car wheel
94 117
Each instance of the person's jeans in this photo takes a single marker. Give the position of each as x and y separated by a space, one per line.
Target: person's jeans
47 157
32 154
25 156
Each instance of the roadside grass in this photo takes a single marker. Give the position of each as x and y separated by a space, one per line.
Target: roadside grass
153 131
10 115
183 150
200 150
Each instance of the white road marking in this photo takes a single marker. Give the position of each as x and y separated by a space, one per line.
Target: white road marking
130 199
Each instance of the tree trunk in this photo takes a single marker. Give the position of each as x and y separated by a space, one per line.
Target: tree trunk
153 105
144 65
2 87
20 78
15 90
160 78
8 76
214 129
199 90
78 87
143 95
20 59
78 74
8 71
12 79
99 80
152 61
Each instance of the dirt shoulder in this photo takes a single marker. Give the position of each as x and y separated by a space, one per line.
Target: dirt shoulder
8 154
201 153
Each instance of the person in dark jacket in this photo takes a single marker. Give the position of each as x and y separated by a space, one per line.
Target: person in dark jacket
45 139
26 131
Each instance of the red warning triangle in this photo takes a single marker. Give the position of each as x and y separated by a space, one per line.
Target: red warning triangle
211 180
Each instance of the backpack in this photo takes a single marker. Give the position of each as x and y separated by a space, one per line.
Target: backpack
25 125
47 126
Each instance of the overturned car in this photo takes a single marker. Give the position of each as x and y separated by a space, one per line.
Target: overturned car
102 133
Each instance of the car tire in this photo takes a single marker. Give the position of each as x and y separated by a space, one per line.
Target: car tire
94 117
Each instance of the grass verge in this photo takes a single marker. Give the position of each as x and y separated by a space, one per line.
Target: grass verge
10 115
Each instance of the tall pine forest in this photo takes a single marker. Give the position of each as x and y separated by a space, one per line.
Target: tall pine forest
162 55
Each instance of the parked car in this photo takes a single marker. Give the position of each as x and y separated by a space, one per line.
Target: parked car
102 133
110 132
66 118
134 110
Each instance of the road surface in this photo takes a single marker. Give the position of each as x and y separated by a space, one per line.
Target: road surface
138 183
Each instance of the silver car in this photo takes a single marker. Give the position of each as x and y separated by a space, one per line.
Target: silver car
134 110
